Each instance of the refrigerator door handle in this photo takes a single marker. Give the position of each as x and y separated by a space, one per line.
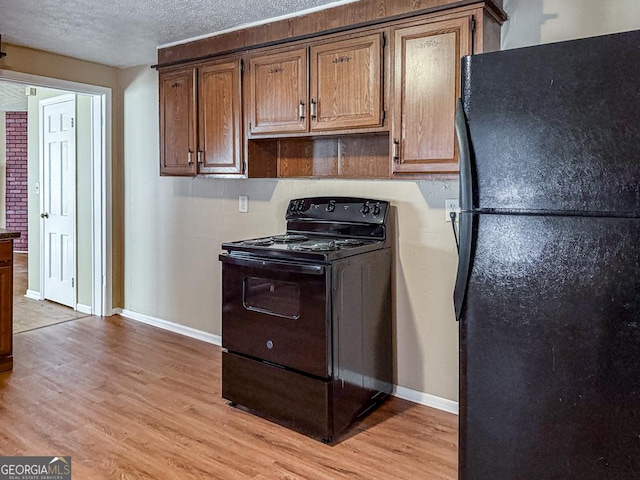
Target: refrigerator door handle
464 155
465 233
464 262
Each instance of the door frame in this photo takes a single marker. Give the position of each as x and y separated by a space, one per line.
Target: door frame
101 185
42 104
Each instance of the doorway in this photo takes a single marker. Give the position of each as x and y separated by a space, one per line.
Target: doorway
95 297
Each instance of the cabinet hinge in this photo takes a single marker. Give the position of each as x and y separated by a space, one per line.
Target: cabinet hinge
473 23
73 282
384 40
384 115
72 122
244 166
241 66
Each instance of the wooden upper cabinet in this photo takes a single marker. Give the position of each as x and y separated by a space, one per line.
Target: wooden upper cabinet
346 84
220 119
278 93
318 106
201 120
332 86
177 122
426 88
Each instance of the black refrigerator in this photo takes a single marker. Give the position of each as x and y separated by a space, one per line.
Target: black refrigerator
548 285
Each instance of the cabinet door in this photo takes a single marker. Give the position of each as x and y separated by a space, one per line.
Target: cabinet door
278 93
177 122
426 88
6 310
220 119
346 84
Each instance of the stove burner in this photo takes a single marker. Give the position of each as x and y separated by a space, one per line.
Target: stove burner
349 242
258 242
316 247
288 238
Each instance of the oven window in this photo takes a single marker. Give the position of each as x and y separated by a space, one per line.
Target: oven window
271 297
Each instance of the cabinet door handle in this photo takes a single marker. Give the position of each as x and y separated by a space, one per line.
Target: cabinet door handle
314 109
190 157
200 157
396 150
301 110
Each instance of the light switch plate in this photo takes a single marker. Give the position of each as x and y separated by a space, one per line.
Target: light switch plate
243 204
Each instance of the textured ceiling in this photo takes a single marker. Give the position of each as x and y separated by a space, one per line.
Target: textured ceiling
12 97
126 33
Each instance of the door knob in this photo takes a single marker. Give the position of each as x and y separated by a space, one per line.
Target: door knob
44 215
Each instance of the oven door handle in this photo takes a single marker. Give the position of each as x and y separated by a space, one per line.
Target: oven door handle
273 265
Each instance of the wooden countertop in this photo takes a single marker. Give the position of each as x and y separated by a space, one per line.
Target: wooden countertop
8 234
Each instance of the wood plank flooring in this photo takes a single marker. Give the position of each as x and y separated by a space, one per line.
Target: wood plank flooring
29 314
129 401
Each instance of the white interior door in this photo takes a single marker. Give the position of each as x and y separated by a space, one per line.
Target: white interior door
58 193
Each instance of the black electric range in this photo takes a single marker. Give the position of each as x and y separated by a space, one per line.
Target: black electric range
306 316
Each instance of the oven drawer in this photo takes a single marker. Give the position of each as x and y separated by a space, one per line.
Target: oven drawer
277 311
291 399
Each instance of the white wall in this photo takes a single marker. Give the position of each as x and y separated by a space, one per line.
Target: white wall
532 22
174 226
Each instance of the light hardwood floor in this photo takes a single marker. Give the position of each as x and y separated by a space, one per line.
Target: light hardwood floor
28 313
129 401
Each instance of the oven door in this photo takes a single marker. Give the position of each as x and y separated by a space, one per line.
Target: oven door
278 311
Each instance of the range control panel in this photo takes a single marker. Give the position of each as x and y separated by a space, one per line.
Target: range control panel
338 209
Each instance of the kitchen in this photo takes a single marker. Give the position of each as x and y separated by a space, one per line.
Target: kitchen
187 219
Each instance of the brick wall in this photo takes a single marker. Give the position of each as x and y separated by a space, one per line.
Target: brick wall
16 187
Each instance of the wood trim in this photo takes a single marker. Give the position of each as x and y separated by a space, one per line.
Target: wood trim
364 13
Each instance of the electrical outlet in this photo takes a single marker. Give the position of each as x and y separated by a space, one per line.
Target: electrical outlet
243 204
451 205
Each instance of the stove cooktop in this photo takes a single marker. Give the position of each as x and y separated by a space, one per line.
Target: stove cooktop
303 246
323 229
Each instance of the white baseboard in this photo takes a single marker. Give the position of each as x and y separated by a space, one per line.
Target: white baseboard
33 295
83 308
426 399
400 392
172 327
